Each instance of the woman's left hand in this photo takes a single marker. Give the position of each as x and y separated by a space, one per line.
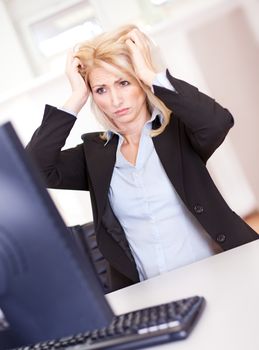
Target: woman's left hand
141 56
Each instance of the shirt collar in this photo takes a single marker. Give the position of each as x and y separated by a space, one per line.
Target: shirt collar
156 113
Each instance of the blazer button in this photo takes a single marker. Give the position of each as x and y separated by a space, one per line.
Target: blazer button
221 238
198 209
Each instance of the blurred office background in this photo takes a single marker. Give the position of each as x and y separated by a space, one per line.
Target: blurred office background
213 44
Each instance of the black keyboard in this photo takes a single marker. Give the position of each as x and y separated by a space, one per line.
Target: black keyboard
135 330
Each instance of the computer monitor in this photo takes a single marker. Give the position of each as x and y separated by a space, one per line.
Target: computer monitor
48 289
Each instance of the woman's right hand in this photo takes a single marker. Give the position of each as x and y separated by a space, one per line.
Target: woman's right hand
80 89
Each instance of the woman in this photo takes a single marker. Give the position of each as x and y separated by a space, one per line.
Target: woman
155 206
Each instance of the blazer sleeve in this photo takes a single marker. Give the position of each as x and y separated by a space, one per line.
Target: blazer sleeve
62 169
206 122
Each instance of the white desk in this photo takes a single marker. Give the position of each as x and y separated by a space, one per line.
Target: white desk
230 283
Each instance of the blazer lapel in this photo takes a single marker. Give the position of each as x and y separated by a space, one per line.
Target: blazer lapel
100 162
167 146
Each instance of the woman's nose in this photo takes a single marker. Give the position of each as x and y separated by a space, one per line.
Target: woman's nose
116 98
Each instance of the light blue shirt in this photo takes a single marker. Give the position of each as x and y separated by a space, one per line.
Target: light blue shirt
162 233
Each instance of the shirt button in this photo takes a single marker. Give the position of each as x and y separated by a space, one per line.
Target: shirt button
198 209
221 238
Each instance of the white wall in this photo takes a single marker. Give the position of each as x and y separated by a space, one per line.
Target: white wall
14 68
227 51
235 176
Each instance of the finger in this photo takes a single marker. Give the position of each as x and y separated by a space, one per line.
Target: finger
140 38
132 35
139 53
146 45
72 62
130 43
76 62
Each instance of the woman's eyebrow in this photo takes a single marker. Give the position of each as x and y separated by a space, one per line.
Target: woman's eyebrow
102 85
98 85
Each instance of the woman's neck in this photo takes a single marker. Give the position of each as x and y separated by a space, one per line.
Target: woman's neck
132 131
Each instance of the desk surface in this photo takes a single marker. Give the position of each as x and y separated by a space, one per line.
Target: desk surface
230 284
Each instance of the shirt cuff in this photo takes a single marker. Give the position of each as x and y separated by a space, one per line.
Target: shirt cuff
68 111
162 81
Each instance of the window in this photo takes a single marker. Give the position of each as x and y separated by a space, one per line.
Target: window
51 34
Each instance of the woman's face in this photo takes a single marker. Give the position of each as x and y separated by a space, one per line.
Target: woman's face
118 95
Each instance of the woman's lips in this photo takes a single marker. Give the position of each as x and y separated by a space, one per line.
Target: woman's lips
122 111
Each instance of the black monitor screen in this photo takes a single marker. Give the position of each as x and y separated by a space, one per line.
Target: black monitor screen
47 290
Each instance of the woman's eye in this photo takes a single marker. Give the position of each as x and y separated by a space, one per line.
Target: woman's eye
100 91
124 83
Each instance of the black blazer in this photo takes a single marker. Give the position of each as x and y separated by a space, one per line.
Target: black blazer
198 126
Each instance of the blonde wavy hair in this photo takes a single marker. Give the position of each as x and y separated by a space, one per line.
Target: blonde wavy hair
110 48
